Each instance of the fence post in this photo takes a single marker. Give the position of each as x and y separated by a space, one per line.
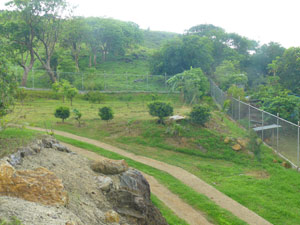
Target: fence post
262 125
147 87
232 108
81 81
239 109
104 81
127 81
277 132
32 78
249 112
165 81
298 150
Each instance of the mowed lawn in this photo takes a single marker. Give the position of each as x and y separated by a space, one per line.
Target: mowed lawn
263 186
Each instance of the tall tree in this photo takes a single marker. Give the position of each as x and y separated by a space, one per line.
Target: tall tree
289 69
43 18
258 65
181 53
8 84
228 73
21 39
226 46
74 35
109 36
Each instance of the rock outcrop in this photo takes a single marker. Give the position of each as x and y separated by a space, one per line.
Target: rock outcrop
131 197
35 180
39 185
107 166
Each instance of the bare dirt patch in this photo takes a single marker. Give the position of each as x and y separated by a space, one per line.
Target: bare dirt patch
258 174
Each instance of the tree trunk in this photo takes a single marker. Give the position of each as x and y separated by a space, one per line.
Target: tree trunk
51 74
25 76
103 56
46 64
95 60
77 63
27 69
90 62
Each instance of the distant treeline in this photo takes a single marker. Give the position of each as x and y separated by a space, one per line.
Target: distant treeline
40 32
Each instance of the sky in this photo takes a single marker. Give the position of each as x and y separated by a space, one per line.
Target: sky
260 20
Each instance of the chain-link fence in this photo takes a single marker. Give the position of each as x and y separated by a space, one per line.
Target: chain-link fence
89 81
281 135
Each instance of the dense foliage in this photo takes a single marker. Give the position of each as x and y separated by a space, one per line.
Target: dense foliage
160 110
192 84
106 113
78 116
8 83
42 34
182 53
275 99
62 112
200 114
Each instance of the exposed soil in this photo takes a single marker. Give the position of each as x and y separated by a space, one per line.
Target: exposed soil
258 174
189 179
180 208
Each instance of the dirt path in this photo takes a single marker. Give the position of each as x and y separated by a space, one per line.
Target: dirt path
180 208
189 179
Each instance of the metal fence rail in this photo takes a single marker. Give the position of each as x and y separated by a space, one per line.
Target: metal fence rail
100 81
282 135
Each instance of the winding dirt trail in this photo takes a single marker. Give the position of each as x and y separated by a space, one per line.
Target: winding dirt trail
187 178
180 208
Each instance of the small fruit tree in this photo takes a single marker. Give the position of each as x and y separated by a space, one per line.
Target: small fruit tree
66 89
160 110
62 112
71 93
106 113
200 114
77 116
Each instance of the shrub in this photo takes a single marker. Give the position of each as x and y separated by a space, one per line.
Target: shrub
192 84
254 145
161 110
175 130
42 94
77 116
62 112
93 96
200 114
106 113
71 93
21 94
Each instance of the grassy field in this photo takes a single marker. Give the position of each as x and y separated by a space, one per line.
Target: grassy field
213 212
263 186
12 138
108 76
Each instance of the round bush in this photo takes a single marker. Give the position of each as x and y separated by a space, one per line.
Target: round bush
106 113
62 112
161 110
200 114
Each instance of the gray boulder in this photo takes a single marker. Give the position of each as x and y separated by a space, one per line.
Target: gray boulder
132 199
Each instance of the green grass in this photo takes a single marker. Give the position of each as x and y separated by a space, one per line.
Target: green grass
13 221
201 151
215 214
169 215
12 138
108 76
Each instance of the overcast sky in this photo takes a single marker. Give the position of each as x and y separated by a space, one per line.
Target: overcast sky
261 20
